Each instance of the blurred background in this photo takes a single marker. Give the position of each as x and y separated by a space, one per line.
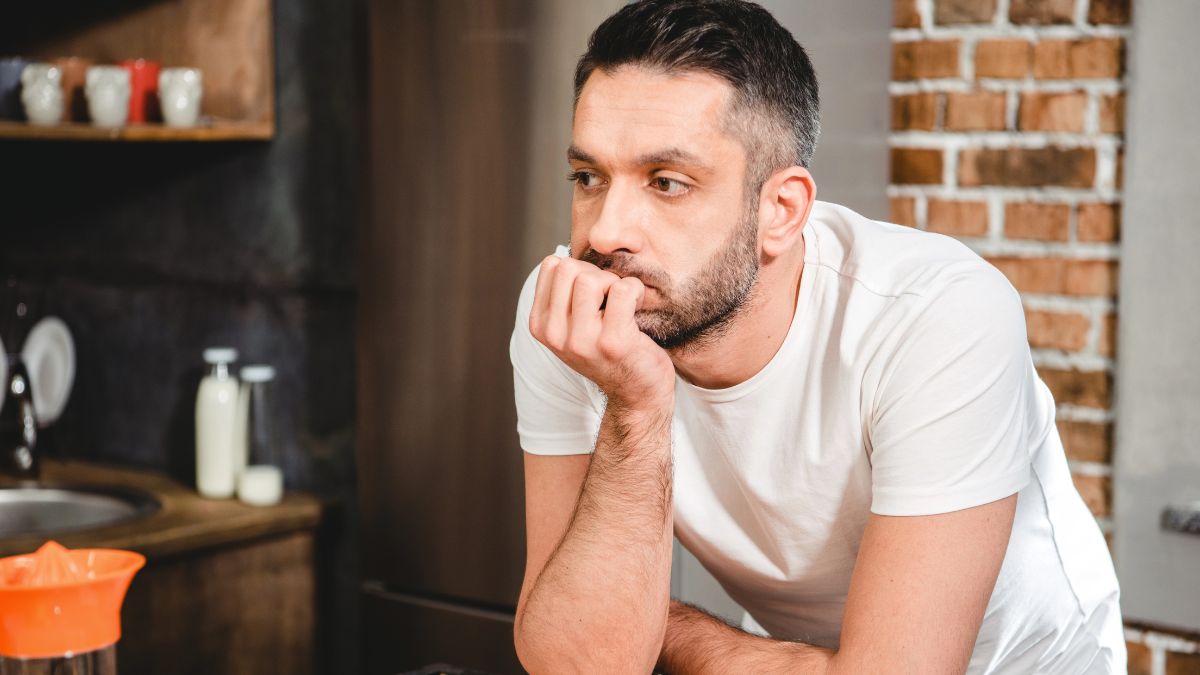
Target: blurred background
367 185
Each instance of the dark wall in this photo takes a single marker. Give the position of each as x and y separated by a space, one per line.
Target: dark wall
151 252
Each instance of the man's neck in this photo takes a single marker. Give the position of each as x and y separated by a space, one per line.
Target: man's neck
752 338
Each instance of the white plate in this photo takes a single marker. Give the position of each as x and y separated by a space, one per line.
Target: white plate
49 355
3 373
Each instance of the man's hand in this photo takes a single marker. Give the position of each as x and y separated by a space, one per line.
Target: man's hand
585 315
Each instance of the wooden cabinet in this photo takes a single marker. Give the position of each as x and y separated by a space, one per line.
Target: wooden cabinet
242 609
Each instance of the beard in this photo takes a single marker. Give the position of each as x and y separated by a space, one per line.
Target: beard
698 310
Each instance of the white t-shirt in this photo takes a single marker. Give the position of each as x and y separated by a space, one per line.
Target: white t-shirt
904 387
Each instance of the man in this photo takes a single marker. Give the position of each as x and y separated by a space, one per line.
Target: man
840 418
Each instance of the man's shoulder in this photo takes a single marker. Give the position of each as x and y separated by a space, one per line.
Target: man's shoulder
885 258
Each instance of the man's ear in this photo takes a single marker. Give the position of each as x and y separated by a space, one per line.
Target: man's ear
784 204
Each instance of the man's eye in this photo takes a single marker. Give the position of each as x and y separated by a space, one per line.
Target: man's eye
585 179
668 186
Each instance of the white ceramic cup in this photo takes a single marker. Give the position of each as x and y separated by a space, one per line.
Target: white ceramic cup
179 93
41 93
107 91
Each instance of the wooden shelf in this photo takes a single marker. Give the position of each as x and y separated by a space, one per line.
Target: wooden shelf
207 130
230 41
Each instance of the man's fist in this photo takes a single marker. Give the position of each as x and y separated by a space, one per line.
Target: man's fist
585 315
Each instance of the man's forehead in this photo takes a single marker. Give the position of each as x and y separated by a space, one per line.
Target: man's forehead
635 113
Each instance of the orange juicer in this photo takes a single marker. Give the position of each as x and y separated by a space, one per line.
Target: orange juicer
61 609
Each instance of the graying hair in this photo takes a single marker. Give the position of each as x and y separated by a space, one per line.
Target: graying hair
775 107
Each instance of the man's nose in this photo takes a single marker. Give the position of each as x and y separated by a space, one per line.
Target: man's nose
617 227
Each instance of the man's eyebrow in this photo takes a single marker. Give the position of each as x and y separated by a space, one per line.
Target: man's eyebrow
667 156
671 156
576 155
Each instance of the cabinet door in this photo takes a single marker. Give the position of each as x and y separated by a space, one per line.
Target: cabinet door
439 274
242 609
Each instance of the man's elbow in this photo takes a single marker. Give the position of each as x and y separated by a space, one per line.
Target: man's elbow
561 653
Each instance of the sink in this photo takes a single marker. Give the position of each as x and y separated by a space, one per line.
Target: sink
54 508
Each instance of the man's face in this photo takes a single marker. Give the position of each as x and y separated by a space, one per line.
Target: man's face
660 195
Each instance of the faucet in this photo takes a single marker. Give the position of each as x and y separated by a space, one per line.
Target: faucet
18 424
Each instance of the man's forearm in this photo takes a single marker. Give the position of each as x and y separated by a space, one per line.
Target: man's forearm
697 643
600 603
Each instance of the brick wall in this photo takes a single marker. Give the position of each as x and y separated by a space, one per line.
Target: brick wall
1007 132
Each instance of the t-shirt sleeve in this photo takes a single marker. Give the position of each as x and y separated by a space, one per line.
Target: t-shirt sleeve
950 425
558 410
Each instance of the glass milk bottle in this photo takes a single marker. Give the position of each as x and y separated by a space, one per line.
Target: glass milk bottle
260 482
216 425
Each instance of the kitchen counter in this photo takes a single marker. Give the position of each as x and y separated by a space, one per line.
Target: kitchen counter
227 588
185 523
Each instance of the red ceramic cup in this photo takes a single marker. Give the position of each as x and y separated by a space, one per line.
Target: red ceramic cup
143 90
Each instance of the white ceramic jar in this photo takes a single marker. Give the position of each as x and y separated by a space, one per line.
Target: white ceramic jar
41 93
179 94
107 92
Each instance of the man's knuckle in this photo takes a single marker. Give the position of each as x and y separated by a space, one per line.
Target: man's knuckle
552 338
580 347
586 283
609 346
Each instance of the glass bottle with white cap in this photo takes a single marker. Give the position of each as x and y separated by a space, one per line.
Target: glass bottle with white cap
260 482
216 424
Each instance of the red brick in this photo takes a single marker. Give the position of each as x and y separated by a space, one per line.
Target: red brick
1053 111
914 112
957 218
1033 275
1180 663
1088 388
1096 492
1091 277
1098 57
1060 276
903 211
964 11
1087 441
1027 167
1139 658
1119 176
1052 59
975 111
916 166
1057 330
905 14
1107 346
924 59
1109 11
1008 59
1033 220
1098 222
1112 114
1041 11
